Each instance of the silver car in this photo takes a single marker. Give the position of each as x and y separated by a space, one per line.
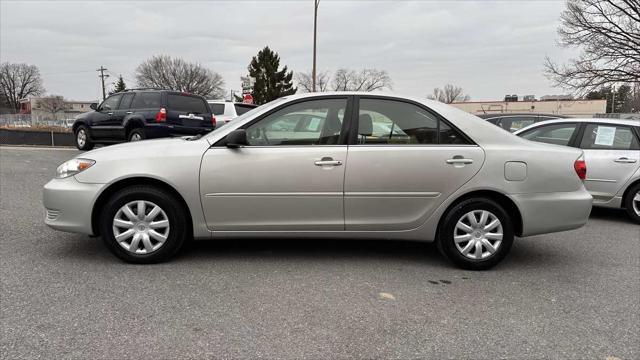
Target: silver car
446 177
612 150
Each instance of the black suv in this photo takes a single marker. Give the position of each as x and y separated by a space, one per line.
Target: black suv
137 114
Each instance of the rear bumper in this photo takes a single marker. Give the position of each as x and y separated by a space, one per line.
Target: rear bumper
69 203
552 212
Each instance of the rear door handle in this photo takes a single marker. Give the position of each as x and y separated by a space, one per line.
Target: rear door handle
110 113
459 161
625 160
129 112
328 161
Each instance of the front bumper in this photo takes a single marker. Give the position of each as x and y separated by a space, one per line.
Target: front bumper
552 212
69 203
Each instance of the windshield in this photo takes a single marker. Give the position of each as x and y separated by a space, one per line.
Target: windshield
249 114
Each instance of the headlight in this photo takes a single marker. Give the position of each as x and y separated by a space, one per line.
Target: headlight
72 167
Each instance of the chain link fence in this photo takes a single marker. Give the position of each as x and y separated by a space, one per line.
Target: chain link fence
35 122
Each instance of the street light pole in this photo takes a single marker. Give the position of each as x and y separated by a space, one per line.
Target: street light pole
315 29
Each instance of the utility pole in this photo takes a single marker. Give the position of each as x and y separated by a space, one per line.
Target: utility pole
613 99
102 76
315 29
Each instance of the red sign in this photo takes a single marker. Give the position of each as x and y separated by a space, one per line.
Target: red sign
247 99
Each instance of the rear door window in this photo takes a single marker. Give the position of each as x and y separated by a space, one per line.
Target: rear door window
382 121
187 104
609 137
147 100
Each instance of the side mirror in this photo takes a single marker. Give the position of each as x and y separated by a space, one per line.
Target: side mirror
237 138
94 106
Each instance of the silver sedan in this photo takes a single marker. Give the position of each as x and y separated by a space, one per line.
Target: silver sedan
612 150
331 165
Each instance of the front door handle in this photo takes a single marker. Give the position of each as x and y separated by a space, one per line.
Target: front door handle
328 161
110 113
625 160
129 112
460 160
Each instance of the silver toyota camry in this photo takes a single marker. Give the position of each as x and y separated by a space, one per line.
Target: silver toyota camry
326 165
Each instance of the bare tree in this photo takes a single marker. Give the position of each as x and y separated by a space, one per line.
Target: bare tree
608 31
305 81
363 80
52 104
449 94
163 71
18 81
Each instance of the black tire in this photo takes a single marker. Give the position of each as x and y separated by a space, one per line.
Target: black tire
173 208
447 230
136 132
82 139
628 203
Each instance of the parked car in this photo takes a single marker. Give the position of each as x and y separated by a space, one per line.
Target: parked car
226 111
449 178
139 114
611 148
516 121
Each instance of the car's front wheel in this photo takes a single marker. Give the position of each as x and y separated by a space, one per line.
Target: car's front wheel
83 141
632 203
476 234
143 224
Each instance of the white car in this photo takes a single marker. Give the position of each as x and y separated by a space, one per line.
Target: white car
225 111
611 150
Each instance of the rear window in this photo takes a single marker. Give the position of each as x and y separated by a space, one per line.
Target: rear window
243 108
189 104
217 109
147 100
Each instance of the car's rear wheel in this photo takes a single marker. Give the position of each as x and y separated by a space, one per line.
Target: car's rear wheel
476 234
632 203
83 141
143 225
136 135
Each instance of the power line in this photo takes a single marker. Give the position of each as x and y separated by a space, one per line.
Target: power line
102 76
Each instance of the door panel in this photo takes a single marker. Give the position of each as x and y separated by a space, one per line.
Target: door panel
277 188
398 187
612 154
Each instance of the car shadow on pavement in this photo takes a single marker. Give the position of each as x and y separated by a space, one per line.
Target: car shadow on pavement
314 249
619 215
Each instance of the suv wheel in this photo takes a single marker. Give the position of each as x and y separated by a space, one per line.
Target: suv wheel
136 135
83 141
143 225
476 234
632 203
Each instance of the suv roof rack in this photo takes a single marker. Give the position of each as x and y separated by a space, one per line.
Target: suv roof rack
143 88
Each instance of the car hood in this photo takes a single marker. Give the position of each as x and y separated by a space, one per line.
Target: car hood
152 148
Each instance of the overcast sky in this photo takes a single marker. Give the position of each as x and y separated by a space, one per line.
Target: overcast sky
490 48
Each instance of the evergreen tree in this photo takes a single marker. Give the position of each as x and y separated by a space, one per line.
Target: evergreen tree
270 82
120 86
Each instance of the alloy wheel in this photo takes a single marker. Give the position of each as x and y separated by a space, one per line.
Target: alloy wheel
81 138
141 227
136 137
636 203
478 234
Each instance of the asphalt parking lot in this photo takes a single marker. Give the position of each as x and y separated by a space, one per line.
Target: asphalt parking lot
568 295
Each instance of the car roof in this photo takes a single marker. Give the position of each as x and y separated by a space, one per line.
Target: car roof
582 120
495 115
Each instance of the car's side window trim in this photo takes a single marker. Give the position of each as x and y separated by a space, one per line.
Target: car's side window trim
344 132
353 135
